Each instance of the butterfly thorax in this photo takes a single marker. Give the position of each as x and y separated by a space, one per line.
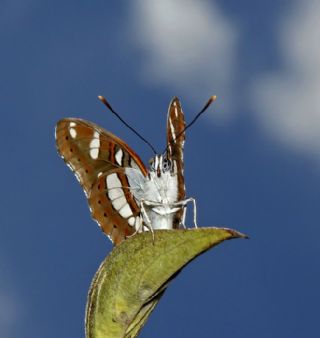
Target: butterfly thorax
161 187
158 191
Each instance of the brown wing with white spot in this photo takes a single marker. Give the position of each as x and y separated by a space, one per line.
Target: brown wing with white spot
113 205
94 154
175 144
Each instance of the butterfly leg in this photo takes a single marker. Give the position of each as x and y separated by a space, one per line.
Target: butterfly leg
193 201
183 204
184 212
146 217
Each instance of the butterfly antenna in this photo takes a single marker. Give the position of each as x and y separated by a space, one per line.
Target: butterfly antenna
105 102
206 106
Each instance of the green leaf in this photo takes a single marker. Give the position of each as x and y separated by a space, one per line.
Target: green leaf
134 276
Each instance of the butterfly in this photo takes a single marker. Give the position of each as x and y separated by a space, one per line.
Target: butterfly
124 196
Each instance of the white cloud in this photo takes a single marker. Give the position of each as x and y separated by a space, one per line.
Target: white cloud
287 102
189 46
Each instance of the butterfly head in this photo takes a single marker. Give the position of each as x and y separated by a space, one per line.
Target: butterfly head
161 165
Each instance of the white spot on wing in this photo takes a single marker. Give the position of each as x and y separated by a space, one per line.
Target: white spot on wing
116 195
119 155
113 181
114 187
95 145
172 129
175 110
119 203
73 132
97 223
131 221
78 178
125 211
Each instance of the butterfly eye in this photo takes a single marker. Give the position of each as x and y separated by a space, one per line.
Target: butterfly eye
166 165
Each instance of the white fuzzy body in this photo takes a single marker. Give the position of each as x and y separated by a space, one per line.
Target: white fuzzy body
158 194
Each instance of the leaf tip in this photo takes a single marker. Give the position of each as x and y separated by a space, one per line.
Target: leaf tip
237 234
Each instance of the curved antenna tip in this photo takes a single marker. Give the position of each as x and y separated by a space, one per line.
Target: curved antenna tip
102 98
105 102
212 99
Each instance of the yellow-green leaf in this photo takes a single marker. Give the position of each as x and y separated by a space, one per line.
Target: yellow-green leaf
133 277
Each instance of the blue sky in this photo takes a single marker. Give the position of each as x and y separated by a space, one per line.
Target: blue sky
252 162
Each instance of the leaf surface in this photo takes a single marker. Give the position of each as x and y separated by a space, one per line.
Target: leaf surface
132 278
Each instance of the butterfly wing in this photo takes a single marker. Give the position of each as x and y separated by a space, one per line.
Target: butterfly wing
175 144
113 206
98 159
